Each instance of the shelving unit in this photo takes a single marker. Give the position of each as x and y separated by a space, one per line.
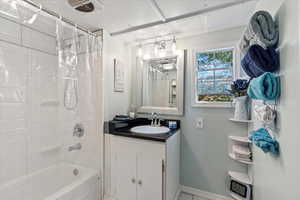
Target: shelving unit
240 139
240 177
232 156
240 121
240 150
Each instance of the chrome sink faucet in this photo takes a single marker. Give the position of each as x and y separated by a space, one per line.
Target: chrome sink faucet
155 121
77 146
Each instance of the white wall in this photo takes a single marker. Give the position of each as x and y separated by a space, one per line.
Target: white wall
115 102
204 152
277 178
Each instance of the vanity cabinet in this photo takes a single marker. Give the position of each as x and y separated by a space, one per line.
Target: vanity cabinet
143 169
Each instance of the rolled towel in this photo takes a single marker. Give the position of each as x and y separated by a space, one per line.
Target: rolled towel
259 60
265 87
263 140
261 30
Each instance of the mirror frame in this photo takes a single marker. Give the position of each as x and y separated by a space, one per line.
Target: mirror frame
178 110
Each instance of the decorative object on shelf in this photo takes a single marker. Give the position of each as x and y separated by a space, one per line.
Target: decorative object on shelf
264 114
261 30
258 60
239 88
240 149
240 186
119 77
263 140
241 108
242 152
266 87
239 91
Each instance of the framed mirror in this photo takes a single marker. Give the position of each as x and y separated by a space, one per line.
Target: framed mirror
160 85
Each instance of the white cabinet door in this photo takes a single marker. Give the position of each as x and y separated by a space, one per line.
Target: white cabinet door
151 178
125 169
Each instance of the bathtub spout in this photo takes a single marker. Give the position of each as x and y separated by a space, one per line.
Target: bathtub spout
75 147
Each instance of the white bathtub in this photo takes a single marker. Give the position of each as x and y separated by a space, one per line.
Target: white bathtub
54 183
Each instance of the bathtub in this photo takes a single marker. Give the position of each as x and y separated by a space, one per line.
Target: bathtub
60 182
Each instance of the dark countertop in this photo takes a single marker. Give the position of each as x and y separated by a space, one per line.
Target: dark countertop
122 128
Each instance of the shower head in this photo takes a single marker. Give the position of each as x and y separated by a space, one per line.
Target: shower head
86 5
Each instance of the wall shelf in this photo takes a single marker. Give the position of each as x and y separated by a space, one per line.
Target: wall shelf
232 156
239 139
240 121
240 177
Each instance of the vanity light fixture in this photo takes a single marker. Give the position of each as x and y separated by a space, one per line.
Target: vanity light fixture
156 46
147 57
174 46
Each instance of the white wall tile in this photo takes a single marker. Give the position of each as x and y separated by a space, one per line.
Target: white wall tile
38 41
14 68
11 125
12 111
13 155
10 31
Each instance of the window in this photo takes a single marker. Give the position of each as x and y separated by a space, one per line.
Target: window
214 74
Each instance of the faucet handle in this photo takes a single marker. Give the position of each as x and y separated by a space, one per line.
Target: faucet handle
78 130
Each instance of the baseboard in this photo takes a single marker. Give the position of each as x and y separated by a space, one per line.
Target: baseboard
204 194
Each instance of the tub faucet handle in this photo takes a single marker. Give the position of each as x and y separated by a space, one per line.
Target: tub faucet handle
77 146
78 130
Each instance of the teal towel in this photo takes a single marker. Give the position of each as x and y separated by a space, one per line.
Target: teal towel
263 140
265 87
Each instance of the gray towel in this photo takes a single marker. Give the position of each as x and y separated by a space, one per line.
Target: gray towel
261 30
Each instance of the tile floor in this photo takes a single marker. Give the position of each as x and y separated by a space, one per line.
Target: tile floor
186 196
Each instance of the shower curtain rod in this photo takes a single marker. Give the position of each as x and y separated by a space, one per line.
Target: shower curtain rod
54 14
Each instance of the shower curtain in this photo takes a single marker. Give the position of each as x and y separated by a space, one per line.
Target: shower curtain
80 76
50 81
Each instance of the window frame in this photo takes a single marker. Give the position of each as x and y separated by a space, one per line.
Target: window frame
194 77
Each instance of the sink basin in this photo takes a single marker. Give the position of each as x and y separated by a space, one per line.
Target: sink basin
151 130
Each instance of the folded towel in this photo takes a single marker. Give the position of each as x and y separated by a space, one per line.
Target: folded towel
263 140
259 60
261 30
266 87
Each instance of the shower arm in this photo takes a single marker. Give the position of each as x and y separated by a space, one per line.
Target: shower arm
59 17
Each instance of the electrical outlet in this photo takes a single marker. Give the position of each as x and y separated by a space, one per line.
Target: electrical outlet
199 123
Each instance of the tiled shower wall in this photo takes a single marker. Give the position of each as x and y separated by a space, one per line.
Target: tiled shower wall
35 129
28 62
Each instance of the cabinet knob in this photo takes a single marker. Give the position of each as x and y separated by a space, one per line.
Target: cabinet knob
133 180
140 182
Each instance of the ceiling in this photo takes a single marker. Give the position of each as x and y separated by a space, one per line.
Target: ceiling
119 15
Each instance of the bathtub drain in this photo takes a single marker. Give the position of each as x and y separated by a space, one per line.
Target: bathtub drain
75 172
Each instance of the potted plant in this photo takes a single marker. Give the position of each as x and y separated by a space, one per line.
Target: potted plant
239 92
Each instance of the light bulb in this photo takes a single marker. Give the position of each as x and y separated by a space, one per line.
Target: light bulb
174 47
140 51
147 57
156 49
